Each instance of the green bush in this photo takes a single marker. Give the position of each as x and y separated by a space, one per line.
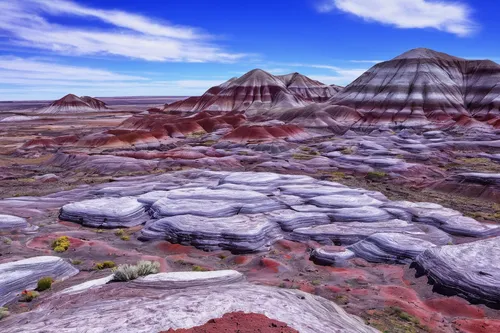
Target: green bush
132 272
105 264
61 244
44 283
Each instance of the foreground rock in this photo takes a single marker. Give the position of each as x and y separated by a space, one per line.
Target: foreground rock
112 307
472 269
24 274
239 233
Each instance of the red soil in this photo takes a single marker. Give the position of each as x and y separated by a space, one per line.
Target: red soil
477 325
265 133
239 322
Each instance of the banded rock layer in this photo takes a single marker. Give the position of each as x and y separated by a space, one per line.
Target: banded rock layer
258 90
24 274
74 104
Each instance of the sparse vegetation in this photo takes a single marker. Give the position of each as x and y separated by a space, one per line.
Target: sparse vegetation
302 157
131 272
28 295
119 232
337 175
4 312
376 175
76 262
316 282
197 268
105 264
125 238
61 244
347 151
6 240
394 320
342 299
44 283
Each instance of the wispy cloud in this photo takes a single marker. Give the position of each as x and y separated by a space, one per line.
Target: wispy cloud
448 16
28 24
334 75
24 79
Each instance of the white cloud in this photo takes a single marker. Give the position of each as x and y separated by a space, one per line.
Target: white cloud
26 79
448 16
130 35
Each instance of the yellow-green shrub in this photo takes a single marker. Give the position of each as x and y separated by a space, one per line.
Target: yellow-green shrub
61 244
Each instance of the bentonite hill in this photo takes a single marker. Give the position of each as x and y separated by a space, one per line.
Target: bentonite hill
268 204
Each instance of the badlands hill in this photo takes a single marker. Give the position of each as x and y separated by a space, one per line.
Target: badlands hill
417 88
424 85
74 104
259 90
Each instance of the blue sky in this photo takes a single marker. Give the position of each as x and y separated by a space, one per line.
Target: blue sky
134 48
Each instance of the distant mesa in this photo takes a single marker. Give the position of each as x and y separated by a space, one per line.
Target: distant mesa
258 90
74 104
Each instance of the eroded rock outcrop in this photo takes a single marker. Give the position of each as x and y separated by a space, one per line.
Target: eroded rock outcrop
472 269
24 274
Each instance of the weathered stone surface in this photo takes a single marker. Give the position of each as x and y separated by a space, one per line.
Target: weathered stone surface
471 269
11 222
344 201
349 233
390 248
106 212
24 274
290 219
240 233
189 304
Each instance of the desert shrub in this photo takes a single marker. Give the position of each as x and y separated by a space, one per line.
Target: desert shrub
105 264
132 272
119 232
44 283
316 282
28 296
6 240
61 244
4 312
125 238
197 268
376 175
76 262
302 157
347 151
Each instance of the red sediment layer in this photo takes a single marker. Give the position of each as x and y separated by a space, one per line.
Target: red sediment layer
265 133
239 322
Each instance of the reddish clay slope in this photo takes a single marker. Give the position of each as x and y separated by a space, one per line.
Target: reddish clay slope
239 322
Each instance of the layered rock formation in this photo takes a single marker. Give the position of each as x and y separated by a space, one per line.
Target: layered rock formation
106 212
258 90
74 104
24 274
472 270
